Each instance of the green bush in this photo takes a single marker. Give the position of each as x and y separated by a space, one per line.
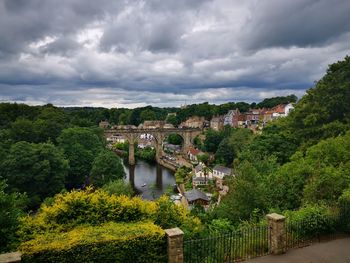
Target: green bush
12 206
111 242
312 220
344 203
119 187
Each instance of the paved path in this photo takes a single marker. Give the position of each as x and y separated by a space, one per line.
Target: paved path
335 251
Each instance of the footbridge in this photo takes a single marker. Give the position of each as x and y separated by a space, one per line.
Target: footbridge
159 134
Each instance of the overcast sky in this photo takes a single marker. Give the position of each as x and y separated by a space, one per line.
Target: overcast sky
116 53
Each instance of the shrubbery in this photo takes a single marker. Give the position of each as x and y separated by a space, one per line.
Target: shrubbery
344 202
316 219
118 187
90 207
11 209
147 154
110 242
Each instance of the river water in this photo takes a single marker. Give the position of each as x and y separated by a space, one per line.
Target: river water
149 180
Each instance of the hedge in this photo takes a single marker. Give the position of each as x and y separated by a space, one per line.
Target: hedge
111 242
70 210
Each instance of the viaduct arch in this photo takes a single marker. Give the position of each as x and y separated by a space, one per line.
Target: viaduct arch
159 134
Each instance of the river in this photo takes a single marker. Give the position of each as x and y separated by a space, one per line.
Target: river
157 179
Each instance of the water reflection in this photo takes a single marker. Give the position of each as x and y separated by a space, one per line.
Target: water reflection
149 180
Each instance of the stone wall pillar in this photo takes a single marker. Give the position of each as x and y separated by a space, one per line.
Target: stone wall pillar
13 257
278 233
175 245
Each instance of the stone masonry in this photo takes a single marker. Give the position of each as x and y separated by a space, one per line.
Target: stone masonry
278 233
175 245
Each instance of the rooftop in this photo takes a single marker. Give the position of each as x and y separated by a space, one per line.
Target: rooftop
195 194
223 169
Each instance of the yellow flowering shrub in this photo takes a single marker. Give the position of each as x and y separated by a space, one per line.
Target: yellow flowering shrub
96 207
110 242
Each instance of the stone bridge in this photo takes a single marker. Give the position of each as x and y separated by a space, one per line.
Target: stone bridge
159 134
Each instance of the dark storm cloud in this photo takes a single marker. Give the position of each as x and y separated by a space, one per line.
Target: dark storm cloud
64 46
25 21
165 52
297 23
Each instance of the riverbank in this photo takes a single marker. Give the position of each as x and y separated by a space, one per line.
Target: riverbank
167 164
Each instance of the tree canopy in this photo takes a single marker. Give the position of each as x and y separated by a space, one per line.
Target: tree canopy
106 167
39 170
81 146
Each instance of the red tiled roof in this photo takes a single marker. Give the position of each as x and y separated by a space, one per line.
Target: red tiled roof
194 151
279 108
241 117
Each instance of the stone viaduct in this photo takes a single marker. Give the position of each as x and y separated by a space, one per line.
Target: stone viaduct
159 134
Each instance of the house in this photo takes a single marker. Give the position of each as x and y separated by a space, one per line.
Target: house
193 153
242 120
219 172
171 114
172 148
144 144
168 126
288 108
153 124
201 177
217 123
253 116
231 118
282 110
196 196
103 124
268 116
193 122
116 139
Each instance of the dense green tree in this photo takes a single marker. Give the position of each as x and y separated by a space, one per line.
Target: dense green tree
172 119
51 121
322 174
204 158
198 143
246 195
81 146
106 167
175 139
118 187
273 141
272 102
147 115
124 118
230 147
23 130
9 112
11 208
285 186
36 169
147 153
212 140
330 175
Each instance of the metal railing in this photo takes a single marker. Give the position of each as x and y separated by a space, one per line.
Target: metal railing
230 247
253 242
301 233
